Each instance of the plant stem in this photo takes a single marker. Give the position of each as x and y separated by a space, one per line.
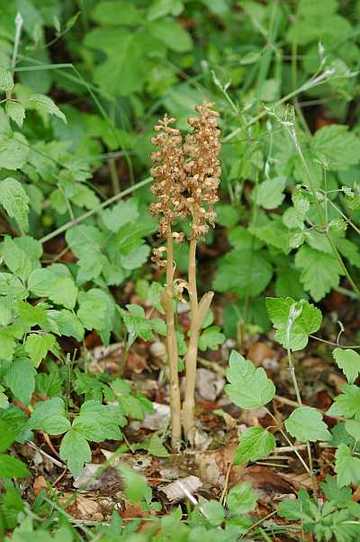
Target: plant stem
171 346
191 354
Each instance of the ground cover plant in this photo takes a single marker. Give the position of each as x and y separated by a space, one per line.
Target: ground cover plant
179 270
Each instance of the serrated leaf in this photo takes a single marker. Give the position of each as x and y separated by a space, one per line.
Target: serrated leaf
20 378
213 511
14 151
96 310
320 272
347 403
306 424
21 255
120 214
15 200
211 338
249 387
11 467
99 422
16 112
45 105
353 428
75 451
66 323
6 80
49 416
241 499
56 283
293 320
136 487
255 443
12 287
38 346
336 147
269 194
349 362
155 447
347 467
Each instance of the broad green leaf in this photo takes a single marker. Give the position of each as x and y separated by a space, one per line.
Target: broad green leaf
211 338
7 344
347 403
320 272
14 199
269 194
75 451
20 378
56 283
12 424
244 272
66 323
136 258
45 105
249 387
155 447
160 8
87 243
353 428
6 80
213 511
241 499
21 255
336 147
255 443
32 315
293 320
4 402
11 467
16 112
38 346
14 152
117 12
306 423
172 34
347 467
99 422
12 287
136 487
349 362
96 310
49 416
120 214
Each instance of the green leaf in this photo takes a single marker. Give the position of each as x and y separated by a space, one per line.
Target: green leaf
56 283
12 424
349 361
255 443
211 338
117 12
336 147
75 451
120 214
244 272
213 511
293 320
49 416
136 323
99 422
14 199
155 447
347 403
7 344
269 194
6 80
96 310
160 8
320 272
21 255
11 467
20 378
353 428
38 345
16 112
241 499
14 151
136 487
12 287
347 467
87 243
32 315
172 34
249 387
45 106
66 323
306 423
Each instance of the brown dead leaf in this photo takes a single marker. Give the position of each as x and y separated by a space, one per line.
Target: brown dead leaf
259 352
39 484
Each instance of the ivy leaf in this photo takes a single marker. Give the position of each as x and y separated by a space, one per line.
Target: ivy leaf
320 272
255 443
211 338
347 467
49 416
56 283
38 345
20 378
11 467
293 320
249 387
244 272
349 361
14 199
306 423
346 404
75 451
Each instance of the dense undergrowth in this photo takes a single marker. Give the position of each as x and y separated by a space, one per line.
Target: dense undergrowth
83 364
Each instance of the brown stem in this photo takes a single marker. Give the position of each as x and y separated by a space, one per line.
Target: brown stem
171 346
